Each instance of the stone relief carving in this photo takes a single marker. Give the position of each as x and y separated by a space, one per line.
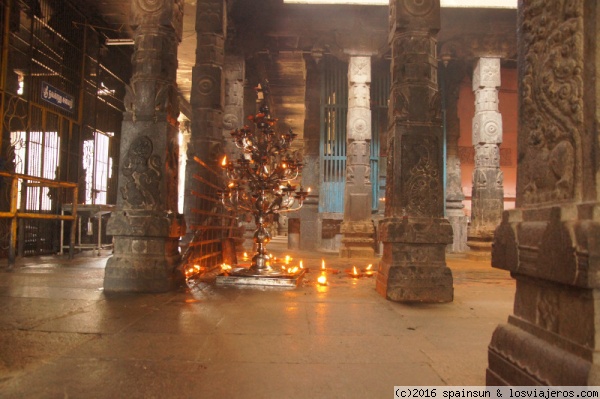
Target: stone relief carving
487 155
552 88
359 96
423 181
418 8
142 170
547 311
435 108
399 108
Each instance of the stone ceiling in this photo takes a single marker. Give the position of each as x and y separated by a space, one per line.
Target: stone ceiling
277 37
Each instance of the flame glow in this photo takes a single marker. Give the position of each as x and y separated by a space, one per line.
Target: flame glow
322 280
323 264
301 265
369 267
224 161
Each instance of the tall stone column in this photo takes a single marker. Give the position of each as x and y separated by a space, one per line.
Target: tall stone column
452 73
146 227
550 242
206 100
357 228
414 232
309 214
487 199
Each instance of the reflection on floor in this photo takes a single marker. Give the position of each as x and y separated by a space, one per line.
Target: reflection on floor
60 336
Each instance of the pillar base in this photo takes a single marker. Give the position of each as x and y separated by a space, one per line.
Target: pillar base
519 358
480 247
358 239
413 267
146 255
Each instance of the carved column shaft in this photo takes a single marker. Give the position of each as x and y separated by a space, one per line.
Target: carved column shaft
488 192
145 226
414 232
452 73
233 107
357 228
309 238
550 243
207 101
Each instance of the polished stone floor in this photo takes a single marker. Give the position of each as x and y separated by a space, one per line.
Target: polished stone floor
62 337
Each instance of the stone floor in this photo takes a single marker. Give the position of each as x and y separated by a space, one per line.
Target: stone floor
62 337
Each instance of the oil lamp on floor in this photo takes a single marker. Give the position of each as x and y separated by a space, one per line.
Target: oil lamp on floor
260 181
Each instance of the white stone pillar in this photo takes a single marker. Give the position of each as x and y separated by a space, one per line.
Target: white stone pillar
357 228
487 199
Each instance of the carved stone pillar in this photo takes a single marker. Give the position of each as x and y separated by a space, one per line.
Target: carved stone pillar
206 100
357 228
309 214
233 109
414 232
487 199
146 227
452 73
550 242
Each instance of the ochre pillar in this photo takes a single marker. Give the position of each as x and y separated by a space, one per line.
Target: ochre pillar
357 228
146 226
488 192
206 100
414 232
551 242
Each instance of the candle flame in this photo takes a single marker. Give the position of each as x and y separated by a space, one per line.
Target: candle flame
322 279
369 267
225 266
323 264
354 271
308 190
287 259
301 265
224 161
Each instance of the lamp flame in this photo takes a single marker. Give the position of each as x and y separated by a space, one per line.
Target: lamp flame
224 161
322 280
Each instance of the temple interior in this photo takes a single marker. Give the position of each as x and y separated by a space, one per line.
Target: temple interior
297 198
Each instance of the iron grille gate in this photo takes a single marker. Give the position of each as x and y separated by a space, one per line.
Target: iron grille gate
334 111
380 94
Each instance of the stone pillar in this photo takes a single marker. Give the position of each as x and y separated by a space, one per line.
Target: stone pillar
146 226
206 100
550 242
487 199
414 232
233 109
452 75
310 239
357 228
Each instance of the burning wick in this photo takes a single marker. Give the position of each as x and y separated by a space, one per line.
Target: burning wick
224 161
301 266
369 271
354 272
245 256
287 259
323 264
322 280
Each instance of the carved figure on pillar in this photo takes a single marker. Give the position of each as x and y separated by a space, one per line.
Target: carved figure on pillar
146 227
549 242
488 190
357 228
414 231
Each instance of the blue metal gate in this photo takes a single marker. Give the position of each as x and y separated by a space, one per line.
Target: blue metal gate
380 93
334 110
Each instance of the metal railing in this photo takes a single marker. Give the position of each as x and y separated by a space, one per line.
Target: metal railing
14 214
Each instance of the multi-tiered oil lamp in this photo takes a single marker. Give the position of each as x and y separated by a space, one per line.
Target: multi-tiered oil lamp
260 182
